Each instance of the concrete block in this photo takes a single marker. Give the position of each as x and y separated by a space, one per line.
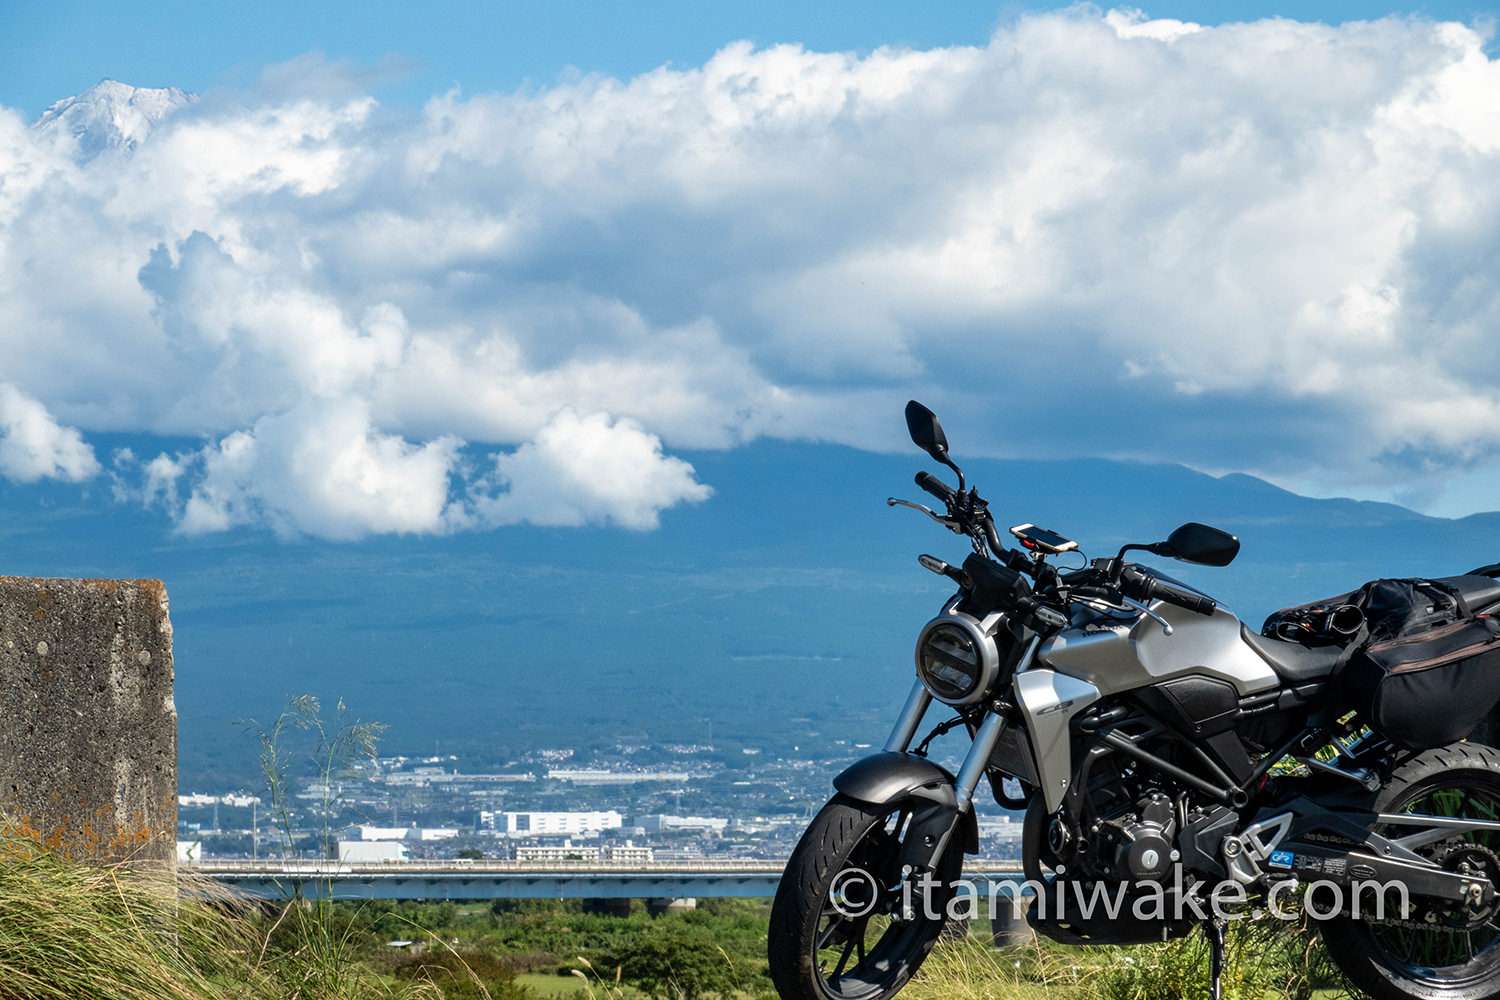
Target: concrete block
88 729
659 907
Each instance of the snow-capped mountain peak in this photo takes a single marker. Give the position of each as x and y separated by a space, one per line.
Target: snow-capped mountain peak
111 116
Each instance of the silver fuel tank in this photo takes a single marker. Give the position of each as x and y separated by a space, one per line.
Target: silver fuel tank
1120 654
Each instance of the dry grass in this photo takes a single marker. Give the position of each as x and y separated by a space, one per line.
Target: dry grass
967 969
1264 962
70 931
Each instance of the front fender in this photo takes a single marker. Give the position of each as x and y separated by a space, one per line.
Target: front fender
883 778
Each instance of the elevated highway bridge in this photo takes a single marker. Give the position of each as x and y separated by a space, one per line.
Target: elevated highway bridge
487 879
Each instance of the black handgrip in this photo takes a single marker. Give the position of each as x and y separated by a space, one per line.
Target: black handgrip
932 484
1144 587
1195 603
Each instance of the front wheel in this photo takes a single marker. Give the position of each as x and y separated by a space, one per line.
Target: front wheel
837 927
1443 953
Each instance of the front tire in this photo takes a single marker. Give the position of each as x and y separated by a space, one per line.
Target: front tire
1389 961
819 946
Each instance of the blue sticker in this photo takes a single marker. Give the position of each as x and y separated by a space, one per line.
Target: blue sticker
1281 859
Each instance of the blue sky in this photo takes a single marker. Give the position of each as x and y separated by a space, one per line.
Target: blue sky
402 270
53 50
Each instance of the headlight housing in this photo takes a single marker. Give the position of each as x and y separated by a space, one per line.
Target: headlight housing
957 659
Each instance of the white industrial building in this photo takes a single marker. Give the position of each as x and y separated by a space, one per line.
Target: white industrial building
357 851
660 823
542 824
198 800
382 833
598 776
566 851
629 852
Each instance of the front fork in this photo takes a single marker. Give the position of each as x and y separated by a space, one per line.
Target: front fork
932 827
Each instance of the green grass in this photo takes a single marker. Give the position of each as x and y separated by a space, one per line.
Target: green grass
1265 962
71 931
545 985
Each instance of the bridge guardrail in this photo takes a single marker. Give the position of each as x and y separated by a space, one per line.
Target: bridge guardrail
504 866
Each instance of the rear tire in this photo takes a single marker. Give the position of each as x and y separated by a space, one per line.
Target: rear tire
816 951
1391 962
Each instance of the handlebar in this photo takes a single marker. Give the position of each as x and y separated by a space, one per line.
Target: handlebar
929 483
972 517
1142 586
967 515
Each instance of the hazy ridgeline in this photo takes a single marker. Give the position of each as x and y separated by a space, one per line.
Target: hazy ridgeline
793 594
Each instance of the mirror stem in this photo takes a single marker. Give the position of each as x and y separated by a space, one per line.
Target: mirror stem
943 457
960 476
1155 548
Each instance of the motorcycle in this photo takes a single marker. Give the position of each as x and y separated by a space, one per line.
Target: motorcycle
1154 743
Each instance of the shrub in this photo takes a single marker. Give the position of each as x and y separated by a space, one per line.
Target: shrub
471 976
671 965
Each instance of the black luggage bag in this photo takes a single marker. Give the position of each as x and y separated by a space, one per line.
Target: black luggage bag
1429 687
1417 665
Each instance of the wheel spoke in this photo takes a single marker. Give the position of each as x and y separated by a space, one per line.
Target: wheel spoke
1439 952
827 933
838 970
1463 803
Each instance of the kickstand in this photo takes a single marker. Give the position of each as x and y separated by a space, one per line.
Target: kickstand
1214 931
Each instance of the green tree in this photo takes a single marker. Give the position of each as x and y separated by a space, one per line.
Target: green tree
673 966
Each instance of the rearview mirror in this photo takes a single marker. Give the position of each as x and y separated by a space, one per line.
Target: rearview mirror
1199 543
926 433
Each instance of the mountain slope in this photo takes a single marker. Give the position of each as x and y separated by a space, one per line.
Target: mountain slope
110 117
793 593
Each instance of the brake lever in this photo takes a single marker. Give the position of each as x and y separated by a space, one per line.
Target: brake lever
947 522
1101 603
1166 626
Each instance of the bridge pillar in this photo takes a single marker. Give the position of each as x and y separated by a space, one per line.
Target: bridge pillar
1008 925
609 907
657 907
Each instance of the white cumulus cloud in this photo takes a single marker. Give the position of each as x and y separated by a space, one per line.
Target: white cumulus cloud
1261 246
320 469
35 446
589 469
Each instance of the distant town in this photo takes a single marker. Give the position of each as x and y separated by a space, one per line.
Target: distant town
662 803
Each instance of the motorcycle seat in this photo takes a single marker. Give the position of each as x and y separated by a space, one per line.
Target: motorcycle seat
1479 591
1293 662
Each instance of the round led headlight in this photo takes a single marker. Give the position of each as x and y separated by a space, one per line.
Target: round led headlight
956 660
